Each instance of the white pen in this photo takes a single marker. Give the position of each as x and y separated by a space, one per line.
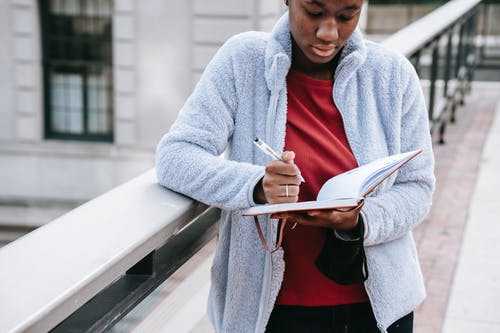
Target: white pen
269 151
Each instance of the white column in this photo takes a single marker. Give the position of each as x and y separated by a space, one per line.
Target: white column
124 73
27 74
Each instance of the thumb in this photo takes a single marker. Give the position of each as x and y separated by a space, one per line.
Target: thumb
288 156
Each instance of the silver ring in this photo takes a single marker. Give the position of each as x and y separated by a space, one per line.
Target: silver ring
286 190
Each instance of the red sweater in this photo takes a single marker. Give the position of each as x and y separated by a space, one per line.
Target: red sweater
315 132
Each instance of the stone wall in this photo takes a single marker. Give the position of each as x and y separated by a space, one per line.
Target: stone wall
159 51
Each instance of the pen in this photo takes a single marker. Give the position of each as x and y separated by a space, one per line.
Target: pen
269 151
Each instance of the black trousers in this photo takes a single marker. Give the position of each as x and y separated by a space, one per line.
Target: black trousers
351 318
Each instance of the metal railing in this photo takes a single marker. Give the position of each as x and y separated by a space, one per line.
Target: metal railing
87 269
442 47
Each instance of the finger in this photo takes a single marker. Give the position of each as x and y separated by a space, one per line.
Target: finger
287 216
278 216
330 214
276 179
314 213
291 215
283 191
339 211
276 193
288 156
287 190
281 168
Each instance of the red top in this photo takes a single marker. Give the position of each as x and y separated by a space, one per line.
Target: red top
315 132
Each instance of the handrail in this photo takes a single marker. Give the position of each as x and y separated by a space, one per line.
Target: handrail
417 35
448 33
48 274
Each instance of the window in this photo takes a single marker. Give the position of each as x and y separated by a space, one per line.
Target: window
77 66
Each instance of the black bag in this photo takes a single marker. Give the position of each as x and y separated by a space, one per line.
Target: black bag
344 261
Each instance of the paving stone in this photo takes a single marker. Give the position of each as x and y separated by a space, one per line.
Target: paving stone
439 237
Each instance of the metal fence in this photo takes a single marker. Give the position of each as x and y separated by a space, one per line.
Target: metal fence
442 47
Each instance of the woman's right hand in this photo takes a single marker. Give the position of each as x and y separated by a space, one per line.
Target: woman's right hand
280 183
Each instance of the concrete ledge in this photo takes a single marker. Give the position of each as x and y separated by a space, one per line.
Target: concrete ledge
49 273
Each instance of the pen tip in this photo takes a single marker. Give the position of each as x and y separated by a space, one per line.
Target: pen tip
256 139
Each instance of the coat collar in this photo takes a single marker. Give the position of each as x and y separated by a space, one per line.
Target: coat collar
278 54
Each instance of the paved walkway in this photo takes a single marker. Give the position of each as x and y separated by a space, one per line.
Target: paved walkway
462 280
474 303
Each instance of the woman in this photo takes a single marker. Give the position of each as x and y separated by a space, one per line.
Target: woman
315 90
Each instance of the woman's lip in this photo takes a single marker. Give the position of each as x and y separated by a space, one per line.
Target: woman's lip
323 51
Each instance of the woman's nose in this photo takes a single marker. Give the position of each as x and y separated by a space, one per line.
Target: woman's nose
328 30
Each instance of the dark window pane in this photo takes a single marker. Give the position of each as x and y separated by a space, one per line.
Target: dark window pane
78 68
99 102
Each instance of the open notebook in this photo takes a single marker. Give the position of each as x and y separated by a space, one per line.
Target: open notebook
344 190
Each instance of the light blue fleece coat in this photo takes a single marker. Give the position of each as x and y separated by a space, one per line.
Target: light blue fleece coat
242 94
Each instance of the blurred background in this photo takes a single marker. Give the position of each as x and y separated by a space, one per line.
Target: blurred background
88 87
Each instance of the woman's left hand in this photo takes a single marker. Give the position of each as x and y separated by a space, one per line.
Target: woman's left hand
342 220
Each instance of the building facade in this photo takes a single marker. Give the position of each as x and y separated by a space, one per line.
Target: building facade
87 87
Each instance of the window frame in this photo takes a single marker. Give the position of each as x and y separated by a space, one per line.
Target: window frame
73 66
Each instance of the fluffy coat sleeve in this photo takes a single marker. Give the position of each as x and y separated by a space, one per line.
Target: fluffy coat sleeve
188 157
394 213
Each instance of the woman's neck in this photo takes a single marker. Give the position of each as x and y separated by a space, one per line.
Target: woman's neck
317 71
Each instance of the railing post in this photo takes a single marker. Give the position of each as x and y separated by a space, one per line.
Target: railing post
433 76
484 29
447 68
472 53
458 63
415 60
